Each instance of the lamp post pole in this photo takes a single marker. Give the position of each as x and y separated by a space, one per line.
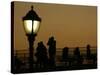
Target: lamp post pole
31 39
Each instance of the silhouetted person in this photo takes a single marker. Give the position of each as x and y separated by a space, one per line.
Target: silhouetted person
65 55
88 54
41 55
77 56
52 51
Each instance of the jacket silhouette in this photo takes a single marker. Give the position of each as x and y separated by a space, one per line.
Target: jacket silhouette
41 55
52 50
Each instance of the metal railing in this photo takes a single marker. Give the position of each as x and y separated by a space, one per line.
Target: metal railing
24 54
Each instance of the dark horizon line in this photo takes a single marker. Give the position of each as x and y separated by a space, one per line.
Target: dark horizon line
63 47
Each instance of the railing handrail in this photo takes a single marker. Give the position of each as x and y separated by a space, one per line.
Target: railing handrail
62 48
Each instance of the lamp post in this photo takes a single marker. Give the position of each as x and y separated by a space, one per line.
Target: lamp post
31 22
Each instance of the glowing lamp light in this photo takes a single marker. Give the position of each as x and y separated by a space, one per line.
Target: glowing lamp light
29 25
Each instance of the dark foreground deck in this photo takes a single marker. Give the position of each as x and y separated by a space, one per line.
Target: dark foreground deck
60 65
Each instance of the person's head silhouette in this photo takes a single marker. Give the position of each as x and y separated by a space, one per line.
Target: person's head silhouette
88 46
52 38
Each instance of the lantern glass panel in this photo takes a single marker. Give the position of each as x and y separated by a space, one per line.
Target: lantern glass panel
28 26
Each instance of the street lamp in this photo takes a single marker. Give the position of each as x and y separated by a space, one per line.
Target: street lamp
31 24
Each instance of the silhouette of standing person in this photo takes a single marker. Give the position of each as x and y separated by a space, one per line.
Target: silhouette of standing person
77 55
52 51
65 55
41 55
88 53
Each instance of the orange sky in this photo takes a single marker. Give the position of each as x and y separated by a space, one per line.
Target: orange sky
71 25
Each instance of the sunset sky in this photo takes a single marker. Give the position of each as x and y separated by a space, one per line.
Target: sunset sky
71 25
